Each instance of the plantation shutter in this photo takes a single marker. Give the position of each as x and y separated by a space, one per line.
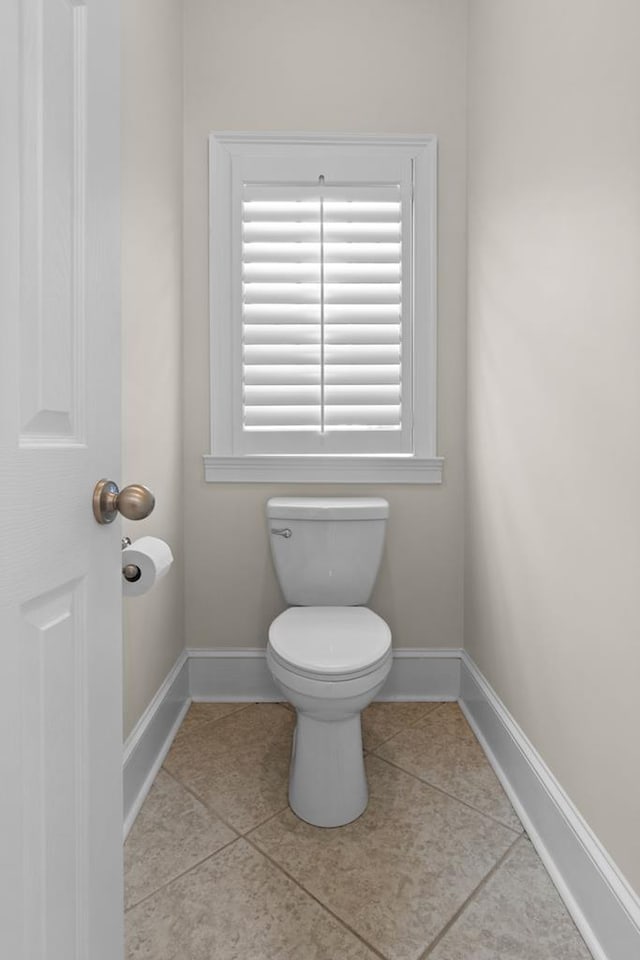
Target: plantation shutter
322 318
323 308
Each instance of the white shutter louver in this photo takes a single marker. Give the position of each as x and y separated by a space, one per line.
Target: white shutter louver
321 308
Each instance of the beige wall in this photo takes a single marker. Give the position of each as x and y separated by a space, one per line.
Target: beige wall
340 65
551 600
151 326
553 556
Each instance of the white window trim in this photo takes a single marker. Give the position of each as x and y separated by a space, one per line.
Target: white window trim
422 466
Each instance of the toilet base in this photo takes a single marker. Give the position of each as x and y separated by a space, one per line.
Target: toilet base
327 780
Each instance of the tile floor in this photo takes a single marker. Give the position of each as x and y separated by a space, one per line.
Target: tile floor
218 868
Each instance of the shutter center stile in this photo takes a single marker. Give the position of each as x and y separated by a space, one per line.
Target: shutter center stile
322 336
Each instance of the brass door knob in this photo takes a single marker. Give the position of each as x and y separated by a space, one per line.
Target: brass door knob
135 502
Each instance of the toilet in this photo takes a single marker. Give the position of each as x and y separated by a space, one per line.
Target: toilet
328 653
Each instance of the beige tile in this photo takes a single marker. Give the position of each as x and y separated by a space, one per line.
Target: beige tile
400 872
205 712
172 832
443 751
517 915
450 717
381 720
239 765
237 906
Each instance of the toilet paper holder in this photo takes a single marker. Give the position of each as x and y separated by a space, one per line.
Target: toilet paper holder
144 562
131 571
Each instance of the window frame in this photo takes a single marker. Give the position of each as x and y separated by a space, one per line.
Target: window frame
224 463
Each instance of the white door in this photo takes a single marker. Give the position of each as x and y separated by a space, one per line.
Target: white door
60 616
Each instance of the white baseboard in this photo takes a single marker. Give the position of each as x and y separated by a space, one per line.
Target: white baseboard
149 741
228 676
603 906
232 675
423 675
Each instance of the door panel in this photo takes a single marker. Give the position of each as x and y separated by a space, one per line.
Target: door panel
52 203
54 723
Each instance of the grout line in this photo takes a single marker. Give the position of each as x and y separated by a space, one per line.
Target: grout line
205 803
406 726
266 820
271 816
439 703
178 876
308 893
208 806
476 890
416 723
451 796
285 706
427 717
216 812
238 708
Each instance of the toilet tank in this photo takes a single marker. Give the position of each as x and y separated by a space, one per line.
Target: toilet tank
327 550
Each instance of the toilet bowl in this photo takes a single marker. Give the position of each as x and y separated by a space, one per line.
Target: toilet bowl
328 659
327 782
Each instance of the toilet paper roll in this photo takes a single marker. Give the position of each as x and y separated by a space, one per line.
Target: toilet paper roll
145 561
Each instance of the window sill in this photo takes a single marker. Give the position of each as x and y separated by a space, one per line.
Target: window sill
291 469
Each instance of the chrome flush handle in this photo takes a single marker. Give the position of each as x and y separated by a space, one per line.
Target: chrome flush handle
281 532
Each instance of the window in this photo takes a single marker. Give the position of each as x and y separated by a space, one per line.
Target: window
322 309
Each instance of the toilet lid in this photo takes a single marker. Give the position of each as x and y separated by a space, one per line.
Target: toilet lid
330 641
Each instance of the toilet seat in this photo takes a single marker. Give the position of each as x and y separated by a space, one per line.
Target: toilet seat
330 643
